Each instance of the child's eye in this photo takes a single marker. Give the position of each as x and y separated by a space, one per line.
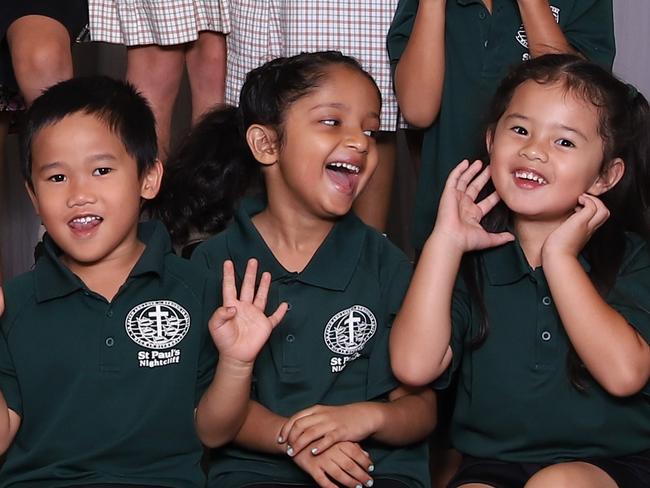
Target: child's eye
56 178
520 130
330 122
101 171
565 143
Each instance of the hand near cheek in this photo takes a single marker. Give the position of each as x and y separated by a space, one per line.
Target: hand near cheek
570 237
2 302
343 464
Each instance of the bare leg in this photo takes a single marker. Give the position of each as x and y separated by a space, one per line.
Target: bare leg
571 475
373 204
157 72
206 70
40 53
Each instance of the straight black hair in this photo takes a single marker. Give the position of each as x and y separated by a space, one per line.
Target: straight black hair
116 103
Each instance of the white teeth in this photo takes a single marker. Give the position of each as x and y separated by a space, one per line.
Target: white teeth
526 175
350 167
85 220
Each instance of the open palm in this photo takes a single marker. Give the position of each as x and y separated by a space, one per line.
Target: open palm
459 215
240 327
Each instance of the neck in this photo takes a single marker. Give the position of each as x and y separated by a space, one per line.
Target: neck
532 235
292 236
105 277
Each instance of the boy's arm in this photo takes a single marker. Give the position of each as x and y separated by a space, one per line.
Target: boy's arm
9 423
420 72
544 34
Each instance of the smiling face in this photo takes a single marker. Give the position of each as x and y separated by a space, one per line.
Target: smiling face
87 191
546 151
328 152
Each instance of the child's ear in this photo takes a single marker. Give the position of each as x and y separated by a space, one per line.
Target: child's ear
32 197
489 138
263 142
151 180
608 178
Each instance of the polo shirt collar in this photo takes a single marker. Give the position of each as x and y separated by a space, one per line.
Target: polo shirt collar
507 264
331 267
53 279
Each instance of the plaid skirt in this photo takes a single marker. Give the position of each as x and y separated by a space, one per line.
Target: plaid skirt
161 22
265 29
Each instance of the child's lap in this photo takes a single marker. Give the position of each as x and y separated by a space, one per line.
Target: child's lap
631 471
376 484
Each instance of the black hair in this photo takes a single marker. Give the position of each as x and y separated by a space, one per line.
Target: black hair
624 126
116 103
213 167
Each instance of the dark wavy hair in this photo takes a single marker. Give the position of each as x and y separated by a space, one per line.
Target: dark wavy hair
624 127
213 167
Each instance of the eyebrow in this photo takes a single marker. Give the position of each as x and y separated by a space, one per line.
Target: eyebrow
340 106
89 160
561 126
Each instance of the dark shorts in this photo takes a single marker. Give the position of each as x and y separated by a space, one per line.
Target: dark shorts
113 485
376 484
632 471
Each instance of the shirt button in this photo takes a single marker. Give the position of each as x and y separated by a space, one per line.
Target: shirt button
288 306
290 338
546 336
482 15
546 300
109 341
109 313
485 44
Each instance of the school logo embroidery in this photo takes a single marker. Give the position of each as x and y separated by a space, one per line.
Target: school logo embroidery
521 33
157 325
347 332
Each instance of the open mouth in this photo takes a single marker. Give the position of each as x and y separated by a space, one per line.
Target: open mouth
85 222
344 175
530 178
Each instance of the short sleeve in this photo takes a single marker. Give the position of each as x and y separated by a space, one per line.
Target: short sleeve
8 379
461 316
380 374
400 30
208 353
590 30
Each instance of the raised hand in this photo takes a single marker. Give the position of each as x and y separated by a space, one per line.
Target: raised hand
344 463
572 235
240 328
459 215
321 426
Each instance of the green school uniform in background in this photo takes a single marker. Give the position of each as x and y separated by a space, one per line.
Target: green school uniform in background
480 47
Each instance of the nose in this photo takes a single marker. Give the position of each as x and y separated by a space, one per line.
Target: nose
80 193
357 140
534 150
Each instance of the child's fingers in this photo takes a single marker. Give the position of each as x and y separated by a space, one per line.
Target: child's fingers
361 457
468 175
288 425
221 316
454 175
228 288
2 302
501 238
600 215
247 292
348 473
278 315
488 202
478 183
262 291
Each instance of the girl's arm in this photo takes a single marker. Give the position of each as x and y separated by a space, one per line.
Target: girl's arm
420 336
407 417
543 32
612 350
420 71
239 329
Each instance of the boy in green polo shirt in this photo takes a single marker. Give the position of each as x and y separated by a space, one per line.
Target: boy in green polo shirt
449 56
107 363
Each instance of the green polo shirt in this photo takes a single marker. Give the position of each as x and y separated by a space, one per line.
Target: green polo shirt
480 47
332 346
107 391
515 401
